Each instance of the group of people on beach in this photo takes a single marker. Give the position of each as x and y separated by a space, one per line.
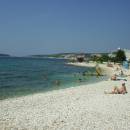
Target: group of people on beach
118 90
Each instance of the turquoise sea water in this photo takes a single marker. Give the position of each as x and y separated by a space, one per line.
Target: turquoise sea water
22 76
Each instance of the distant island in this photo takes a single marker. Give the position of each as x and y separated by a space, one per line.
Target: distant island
4 55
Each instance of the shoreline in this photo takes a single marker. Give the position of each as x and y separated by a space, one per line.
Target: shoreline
106 70
84 107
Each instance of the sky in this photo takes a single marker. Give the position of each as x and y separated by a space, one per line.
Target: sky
54 26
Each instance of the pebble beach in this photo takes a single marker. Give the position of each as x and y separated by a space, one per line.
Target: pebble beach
83 107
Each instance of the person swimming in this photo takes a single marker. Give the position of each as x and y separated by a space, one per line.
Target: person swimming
57 82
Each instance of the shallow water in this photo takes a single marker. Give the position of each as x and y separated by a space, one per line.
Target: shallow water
22 76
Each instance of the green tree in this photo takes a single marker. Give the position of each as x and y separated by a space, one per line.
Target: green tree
120 56
105 57
102 58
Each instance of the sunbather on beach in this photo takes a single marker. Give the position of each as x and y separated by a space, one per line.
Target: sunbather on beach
122 73
115 77
116 90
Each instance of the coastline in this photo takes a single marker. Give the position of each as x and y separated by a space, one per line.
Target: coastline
84 107
106 70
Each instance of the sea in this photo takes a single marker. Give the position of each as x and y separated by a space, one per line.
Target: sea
20 76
